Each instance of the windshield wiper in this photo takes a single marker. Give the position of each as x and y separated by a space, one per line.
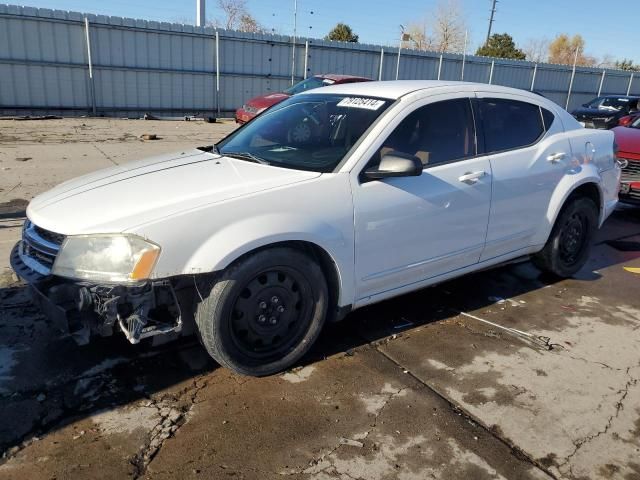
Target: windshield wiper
246 156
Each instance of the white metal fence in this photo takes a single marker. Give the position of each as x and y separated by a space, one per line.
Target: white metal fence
61 62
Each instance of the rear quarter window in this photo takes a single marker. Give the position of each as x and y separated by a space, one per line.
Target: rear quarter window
510 124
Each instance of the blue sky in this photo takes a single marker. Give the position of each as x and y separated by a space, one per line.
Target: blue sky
605 26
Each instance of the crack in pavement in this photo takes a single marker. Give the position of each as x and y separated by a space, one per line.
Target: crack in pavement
517 452
578 444
170 421
316 466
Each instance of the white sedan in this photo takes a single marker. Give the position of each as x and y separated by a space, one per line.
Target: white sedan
329 201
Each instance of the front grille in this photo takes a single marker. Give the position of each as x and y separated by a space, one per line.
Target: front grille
631 173
39 248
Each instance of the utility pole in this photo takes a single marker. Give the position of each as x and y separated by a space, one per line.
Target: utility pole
200 13
493 11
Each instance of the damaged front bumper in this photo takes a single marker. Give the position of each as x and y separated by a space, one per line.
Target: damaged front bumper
84 309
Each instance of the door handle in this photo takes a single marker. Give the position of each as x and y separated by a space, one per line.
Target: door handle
471 177
556 157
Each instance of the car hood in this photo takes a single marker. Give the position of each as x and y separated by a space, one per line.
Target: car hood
119 198
628 139
268 100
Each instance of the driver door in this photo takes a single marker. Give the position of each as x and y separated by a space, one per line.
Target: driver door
412 229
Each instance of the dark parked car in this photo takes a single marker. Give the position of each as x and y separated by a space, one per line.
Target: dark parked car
605 112
628 141
259 104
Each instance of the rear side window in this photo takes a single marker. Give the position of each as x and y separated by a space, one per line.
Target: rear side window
510 124
437 133
547 117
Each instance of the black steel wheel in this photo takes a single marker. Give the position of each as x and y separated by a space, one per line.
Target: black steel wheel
567 249
265 312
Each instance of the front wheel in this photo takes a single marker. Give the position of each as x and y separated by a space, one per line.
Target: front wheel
265 311
567 248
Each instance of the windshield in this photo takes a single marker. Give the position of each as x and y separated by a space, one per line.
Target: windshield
610 103
308 132
308 84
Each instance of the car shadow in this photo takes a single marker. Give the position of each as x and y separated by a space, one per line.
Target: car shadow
47 381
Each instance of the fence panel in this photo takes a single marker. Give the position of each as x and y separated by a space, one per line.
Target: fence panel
157 67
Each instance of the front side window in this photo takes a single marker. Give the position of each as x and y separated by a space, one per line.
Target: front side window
437 133
615 103
509 124
306 132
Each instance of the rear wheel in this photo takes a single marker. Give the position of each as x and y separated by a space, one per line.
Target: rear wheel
264 312
567 248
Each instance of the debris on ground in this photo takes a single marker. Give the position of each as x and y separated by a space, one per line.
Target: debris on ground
149 136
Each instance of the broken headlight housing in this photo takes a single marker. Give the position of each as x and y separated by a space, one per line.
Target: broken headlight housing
111 258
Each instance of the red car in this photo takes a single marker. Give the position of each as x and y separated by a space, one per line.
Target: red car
628 141
259 104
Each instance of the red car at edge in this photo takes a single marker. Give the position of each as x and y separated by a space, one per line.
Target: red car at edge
259 104
628 141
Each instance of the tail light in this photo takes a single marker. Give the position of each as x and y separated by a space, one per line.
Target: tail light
624 121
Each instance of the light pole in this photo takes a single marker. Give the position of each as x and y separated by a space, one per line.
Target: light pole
293 40
200 13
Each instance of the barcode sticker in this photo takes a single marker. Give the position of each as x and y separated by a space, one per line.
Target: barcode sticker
359 102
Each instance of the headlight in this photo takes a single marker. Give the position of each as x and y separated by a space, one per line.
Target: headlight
107 258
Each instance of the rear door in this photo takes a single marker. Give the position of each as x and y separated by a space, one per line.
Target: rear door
529 155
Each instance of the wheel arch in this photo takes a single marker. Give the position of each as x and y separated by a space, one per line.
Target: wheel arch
327 244
324 259
588 187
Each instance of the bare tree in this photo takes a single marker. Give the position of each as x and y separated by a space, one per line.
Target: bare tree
443 32
537 50
236 17
233 9
449 27
419 38
249 24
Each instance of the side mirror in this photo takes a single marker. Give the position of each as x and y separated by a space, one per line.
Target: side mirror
585 105
395 164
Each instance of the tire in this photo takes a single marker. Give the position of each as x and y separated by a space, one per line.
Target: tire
568 246
264 312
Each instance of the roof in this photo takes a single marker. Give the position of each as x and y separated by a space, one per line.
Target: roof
394 89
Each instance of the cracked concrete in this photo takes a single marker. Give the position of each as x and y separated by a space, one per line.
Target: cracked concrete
407 389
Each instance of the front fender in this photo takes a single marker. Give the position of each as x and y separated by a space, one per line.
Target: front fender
241 237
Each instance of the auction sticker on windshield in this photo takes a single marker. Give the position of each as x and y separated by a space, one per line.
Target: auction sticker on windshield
358 102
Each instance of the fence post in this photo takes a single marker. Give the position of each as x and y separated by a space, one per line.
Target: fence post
92 86
573 75
440 67
217 73
533 77
306 58
604 72
398 64
464 55
493 63
381 60
630 82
